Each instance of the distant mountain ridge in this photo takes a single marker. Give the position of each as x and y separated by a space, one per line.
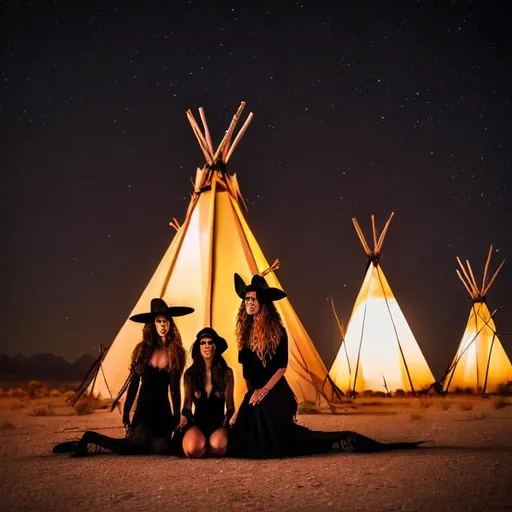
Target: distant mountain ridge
44 366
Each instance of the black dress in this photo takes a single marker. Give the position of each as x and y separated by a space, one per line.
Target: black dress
268 429
212 411
153 421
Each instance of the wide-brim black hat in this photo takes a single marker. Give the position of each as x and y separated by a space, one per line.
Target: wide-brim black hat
221 344
159 307
260 286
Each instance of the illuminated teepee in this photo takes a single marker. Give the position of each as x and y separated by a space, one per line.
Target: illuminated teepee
197 270
480 363
379 351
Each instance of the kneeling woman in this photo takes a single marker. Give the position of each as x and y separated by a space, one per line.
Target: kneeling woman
209 389
265 423
157 365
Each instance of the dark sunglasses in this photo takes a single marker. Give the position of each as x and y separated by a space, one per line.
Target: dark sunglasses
209 343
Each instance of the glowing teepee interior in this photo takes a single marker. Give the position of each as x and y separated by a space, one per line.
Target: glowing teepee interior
379 351
213 243
480 363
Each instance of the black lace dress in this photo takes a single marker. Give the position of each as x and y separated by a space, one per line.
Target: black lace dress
212 411
153 420
269 429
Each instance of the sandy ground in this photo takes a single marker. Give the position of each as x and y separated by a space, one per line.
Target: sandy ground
466 466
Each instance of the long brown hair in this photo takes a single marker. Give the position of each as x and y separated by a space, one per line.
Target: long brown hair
261 332
173 346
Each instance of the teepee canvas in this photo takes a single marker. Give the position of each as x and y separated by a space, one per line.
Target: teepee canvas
379 351
481 363
197 270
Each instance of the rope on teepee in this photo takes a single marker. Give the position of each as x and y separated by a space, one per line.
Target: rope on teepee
275 266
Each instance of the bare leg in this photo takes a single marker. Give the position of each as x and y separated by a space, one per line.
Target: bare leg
218 442
194 443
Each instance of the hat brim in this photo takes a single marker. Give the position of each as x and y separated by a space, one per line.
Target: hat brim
173 311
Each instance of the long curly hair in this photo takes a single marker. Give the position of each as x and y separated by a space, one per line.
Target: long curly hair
197 372
261 332
150 341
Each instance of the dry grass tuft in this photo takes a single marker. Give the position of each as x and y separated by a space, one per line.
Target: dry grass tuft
16 406
7 425
499 402
43 411
88 404
55 393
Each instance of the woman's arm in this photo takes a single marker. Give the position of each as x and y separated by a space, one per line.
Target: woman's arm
130 398
186 412
230 401
260 394
174 385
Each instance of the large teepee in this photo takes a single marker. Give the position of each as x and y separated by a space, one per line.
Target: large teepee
480 363
197 270
379 352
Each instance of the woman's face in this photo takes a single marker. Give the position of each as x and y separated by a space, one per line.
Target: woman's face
252 305
162 325
207 347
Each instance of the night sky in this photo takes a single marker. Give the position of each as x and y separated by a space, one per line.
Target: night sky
359 107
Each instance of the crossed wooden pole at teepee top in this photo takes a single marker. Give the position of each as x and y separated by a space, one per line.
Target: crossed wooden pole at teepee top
468 278
225 148
377 241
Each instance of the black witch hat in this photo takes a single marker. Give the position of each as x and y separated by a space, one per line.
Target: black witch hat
258 284
159 307
221 344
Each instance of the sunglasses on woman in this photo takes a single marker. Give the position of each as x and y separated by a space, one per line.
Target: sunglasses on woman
208 342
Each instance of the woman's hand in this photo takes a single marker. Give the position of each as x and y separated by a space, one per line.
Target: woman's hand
258 395
232 420
183 422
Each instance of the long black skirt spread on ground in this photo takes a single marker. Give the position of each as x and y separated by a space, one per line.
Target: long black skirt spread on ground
269 429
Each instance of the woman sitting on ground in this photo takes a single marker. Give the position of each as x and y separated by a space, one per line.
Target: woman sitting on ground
157 365
209 389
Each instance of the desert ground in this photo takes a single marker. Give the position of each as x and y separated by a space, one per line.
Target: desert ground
466 464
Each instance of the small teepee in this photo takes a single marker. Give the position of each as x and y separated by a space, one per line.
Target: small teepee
379 351
481 363
197 270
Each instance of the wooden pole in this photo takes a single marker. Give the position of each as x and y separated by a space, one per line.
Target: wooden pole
239 136
374 233
475 292
384 232
199 136
362 239
486 268
493 278
471 294
206 130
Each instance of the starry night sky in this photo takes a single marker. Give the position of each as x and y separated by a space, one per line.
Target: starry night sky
360 107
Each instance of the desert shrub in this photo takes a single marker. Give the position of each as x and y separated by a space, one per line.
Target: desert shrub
7 424
499 402
307 408
400 392
17 393
87 405
44 411
54 393
33 388
68 394
444 406
505 389
16 406
469 390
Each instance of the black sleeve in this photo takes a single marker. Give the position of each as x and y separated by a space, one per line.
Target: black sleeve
174 385
280 358
130 396
241 356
